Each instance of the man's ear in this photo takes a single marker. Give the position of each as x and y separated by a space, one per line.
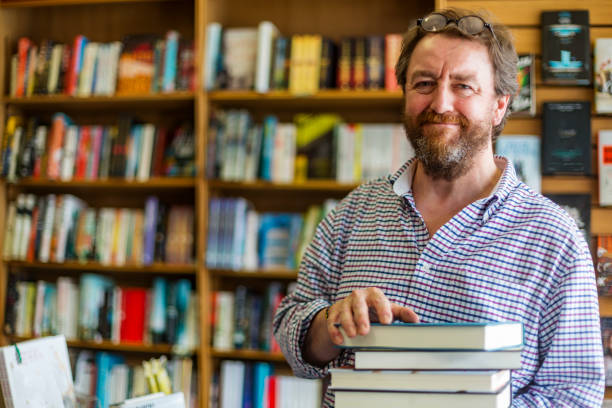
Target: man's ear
501 105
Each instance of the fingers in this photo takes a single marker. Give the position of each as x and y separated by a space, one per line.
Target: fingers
404 314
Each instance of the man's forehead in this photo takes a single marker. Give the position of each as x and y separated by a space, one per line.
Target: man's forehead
461 57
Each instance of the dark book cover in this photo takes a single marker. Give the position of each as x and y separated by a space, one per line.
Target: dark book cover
566 47
329 57
118 158
578 206
375 62
359 64
566 138
159 254
345 58
12 298
524 103
171 313
280 63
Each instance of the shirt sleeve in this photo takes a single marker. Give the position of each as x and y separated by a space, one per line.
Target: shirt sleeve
571 370
314 291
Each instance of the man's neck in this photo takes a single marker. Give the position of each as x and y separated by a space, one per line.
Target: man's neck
438 200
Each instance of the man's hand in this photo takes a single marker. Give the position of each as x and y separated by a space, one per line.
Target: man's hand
354 313
362 307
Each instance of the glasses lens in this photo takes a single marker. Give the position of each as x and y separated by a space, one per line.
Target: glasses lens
434 22
471 25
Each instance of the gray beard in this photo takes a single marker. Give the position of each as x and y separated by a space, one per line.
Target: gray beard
451 161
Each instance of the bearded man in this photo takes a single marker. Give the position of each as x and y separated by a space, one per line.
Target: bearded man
453 236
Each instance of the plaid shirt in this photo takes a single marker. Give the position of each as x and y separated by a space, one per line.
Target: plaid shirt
514 255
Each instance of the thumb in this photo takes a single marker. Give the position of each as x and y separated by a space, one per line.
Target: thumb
404 314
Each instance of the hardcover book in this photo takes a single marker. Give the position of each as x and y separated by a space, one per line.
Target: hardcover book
524 153
578 206
566 138
489 381
603 75
524 103
437 360
566 47
439 336
368 399
604 153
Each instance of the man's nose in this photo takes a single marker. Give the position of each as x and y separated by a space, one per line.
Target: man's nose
442 99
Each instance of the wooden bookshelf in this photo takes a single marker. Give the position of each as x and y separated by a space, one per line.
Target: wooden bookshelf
156 268
164 183
174 100
285 274
141 348
248 355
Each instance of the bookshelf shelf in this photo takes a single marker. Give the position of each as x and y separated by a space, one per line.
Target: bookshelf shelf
605 306
174 100
52 3
248 355
156 268
154 183
307 186
110 346
323 98
288 274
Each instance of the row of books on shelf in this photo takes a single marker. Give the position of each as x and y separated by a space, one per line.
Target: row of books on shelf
96 308
313 146
139 64
239 384
103 379
240 238
430 364
603 265
62 150
261 58
57 228
242 318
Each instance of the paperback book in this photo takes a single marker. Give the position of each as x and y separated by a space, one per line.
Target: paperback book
604 153
524 152
603 75
439 336
566 138
524 103
566 46
578 206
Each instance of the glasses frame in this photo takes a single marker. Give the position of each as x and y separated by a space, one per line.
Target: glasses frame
457 21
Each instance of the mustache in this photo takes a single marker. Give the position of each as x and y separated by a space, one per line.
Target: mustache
442 118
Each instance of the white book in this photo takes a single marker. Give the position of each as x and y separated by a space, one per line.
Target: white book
490 381
231 383
437 360
113 67
251 260
45 364
71 141
85 373
266 34
368 399
604 147
86 76
101 71
211 55
146 152
283 160
439 336
223 332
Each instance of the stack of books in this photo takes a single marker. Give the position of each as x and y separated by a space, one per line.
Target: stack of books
434 365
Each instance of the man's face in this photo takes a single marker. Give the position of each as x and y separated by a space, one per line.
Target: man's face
450 104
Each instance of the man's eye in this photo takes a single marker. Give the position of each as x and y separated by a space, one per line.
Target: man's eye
424 86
